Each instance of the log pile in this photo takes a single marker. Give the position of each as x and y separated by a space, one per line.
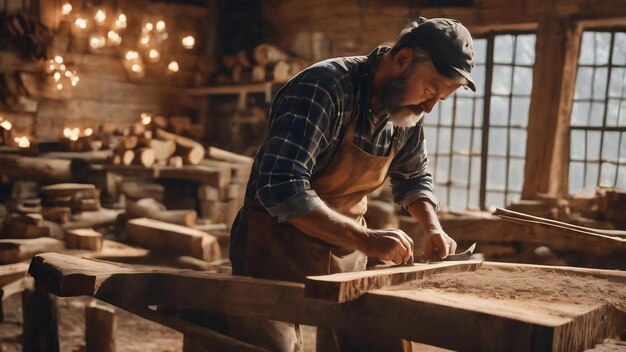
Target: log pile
148 143
77 197
267 63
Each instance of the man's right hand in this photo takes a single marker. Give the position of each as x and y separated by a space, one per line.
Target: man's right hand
389 244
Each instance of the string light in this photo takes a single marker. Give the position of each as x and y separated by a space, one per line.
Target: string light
58 59
97 41
120 22
88 132
154 55
100 16
146 118
160 26
114 38
149 26
131 55
188 42
22 142
6 125
81 23
66 9
173 66
137 68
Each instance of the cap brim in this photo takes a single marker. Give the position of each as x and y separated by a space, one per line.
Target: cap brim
459 75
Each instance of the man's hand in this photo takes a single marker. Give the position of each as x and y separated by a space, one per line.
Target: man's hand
389 244
438 245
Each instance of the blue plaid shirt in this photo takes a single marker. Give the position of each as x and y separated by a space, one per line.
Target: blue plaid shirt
308 118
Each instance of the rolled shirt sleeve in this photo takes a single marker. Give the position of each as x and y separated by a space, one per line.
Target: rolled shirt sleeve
409 175
299 131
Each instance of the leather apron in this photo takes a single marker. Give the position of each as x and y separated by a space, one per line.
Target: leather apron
280 251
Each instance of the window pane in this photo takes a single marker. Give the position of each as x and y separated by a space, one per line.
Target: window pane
494 200
464 111
460 170
618 80
607 174
444 140
497 141
593 145
619 49
621 177
496 173
610 146
603 45
517 142
577 145
480 49
445 113
576 176
516 174
525 49
503 49
478 75
583 83
475 172
596 117
587 50
441 173
519 111
477 141
499 114
612 112
430 137
478 112
522 80
580 113
461 142
458 199
599 83
501 80
591 175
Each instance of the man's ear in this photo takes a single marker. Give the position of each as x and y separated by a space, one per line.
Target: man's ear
402 59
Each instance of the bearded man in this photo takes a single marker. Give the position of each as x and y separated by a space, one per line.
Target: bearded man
336 131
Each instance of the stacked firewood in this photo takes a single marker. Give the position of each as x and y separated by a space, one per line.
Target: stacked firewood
267 64
75 196
147 143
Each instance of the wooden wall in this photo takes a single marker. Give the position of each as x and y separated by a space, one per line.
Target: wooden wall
356 27
105 93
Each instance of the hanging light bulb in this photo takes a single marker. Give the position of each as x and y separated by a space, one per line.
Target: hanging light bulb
144 40
57 76
58 59
146 118
120 22
149 26
97 41
137 68
22 142
59 86
114 38
160 26
88 132
6 125
131 55
81 23
68 74
100 16
154 55
66 8
188 42
173 66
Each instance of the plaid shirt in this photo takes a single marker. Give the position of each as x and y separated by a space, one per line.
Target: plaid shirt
308 119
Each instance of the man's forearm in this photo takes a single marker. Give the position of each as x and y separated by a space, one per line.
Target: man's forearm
423 211
328 225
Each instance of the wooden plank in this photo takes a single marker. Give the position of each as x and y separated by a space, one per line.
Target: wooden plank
437 319
174 239
611 275
69 190
100 324
345 287
17 250
12 272
87 239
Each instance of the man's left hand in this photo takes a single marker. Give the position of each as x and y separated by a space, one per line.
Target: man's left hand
438 245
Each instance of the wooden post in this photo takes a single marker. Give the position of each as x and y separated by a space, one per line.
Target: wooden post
39 316
100 325
547 146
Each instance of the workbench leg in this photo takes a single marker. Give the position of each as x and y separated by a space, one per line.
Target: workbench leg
40 322
100 325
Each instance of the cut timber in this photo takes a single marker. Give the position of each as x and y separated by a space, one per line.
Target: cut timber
127 157
100 322
86 219
180 124
432 318
175 161
83 239
144 157
259 74
175 239
12 272
24 226
39 316
69 190
266 53
179 217
14 251
348 286
191 151
57 214
221 154
35 169
163 150
150 208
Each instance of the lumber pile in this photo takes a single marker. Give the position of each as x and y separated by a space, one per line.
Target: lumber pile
150 208
266 63
76 196
219 202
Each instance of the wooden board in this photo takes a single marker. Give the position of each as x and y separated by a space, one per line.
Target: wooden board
435 319
12 272
348 286
174 239
14 251
83 239
69 190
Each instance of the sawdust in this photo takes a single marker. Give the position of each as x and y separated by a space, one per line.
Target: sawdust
530 284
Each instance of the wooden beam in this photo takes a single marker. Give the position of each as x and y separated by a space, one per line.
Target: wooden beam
348 286
14 251
12 272
439 319
100 323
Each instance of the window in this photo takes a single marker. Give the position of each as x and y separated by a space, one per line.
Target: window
477 141
598 118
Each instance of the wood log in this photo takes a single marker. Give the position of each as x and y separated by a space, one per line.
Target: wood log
158 121
436 318
87 239
191 151
129 143
144 208
221 154
141 189
243 59
348 286
163 150
35 169
175 161
17 250
75 204
12 272
69 190
24 190
259 73
180 124
57 214
144 157
93 219
137 129
100 323
39 316
127 157
266 53
175 239
179 217
24 227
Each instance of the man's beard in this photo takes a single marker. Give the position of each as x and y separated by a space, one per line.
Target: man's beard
392 95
